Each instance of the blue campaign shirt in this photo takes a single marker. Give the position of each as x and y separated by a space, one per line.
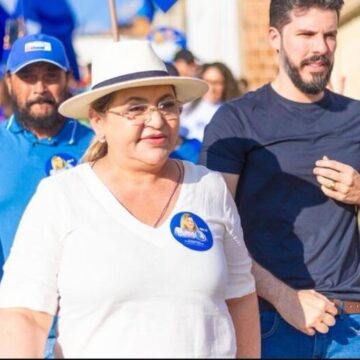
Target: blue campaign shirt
290 226
188 150
24 161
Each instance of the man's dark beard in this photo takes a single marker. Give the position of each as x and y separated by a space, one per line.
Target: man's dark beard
319 80
41 123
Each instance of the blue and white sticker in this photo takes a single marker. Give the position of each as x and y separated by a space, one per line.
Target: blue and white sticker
191 231
58 163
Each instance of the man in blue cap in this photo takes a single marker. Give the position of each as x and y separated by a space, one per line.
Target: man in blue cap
36 141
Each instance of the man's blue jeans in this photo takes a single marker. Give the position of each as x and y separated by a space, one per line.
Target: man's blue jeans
281 340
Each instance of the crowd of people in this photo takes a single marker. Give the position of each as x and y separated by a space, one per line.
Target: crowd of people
195 115
115 242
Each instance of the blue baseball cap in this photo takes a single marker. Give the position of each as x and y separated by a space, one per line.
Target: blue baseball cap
34 48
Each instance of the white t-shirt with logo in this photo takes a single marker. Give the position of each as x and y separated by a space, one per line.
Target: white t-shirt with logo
120 287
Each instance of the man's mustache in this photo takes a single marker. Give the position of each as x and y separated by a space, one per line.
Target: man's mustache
41 100
316 58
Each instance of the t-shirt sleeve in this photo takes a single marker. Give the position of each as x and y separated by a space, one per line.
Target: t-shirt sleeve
225 141
240 279
30 273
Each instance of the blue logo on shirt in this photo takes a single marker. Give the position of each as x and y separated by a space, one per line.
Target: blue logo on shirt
191 231
58 163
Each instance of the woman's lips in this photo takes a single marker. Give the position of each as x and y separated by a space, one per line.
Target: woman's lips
155 139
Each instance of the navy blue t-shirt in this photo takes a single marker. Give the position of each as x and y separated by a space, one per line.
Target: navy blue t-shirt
290 227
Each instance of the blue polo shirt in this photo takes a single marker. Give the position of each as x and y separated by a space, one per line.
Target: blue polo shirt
24 161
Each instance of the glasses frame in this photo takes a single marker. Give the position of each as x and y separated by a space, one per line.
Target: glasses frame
145 117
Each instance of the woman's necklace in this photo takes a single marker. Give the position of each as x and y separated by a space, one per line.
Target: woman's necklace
180 168
163 211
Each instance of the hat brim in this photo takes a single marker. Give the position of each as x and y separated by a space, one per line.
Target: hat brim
33 61
187 89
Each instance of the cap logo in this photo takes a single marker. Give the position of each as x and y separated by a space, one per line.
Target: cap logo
38 46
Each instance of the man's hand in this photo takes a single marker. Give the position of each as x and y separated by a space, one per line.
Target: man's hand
306 310
338 181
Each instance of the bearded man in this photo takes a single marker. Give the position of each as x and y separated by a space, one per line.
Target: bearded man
290 153
37 79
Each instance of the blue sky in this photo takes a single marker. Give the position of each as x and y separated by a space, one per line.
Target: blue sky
94 15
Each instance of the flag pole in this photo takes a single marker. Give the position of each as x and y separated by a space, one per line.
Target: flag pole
114 25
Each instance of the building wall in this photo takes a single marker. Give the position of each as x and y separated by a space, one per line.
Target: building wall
212 28
347 60
259 59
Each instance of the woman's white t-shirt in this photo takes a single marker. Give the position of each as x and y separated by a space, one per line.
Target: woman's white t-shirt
121 288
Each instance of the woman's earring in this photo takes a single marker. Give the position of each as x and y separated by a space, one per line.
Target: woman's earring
102 139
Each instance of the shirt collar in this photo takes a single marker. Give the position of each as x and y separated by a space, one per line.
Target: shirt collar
66 134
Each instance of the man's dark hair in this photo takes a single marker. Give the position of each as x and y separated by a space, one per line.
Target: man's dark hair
280 9
186 55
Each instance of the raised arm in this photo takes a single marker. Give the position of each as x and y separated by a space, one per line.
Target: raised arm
23 333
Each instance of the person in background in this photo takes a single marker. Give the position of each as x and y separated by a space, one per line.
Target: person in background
114 217
5 100
37 72
222 87
86 77
289 152
186 63
185 148
243 85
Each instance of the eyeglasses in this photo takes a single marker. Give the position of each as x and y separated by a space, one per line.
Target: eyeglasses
140 114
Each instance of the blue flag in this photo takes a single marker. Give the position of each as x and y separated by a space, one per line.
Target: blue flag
149 7
55 18
3 17
164 5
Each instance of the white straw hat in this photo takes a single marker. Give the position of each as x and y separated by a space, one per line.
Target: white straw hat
127 64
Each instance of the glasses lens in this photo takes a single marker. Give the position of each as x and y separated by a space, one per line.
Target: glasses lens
140 113
136 113
136 110
169 108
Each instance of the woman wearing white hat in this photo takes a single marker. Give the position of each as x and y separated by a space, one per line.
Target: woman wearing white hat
97 245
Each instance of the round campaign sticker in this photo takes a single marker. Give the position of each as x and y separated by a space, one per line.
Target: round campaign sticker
59 162
191 231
